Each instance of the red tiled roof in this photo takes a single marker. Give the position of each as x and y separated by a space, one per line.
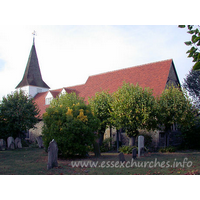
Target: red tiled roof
153 75
40 101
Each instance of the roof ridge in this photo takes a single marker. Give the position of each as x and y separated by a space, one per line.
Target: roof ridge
129 67
56 90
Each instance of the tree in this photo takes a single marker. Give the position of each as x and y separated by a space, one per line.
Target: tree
101 106
194 51
134 108
70 122
174 107
192 85
19 113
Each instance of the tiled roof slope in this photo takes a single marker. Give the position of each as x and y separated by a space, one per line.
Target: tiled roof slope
40 101
153 75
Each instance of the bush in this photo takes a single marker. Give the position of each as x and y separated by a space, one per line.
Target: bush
191 138
71 125
169 149
127 149
18 113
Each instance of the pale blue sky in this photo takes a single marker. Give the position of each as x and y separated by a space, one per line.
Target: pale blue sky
69 54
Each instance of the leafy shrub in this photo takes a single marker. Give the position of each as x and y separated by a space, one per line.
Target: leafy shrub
127 149
167 149
18 113
106 145
191 137
70 122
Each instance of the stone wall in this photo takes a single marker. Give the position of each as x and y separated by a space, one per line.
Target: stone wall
158 137
35 132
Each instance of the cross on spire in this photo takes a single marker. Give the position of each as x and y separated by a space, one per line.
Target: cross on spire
34 34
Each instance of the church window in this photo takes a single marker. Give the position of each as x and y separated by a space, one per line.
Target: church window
48 100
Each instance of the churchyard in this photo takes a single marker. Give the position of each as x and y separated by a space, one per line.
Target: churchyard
34 160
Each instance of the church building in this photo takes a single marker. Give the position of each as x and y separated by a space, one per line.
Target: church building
157 76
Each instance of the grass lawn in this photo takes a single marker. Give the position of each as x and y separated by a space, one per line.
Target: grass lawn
33 161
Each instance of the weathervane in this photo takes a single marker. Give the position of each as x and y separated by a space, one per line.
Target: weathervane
34 34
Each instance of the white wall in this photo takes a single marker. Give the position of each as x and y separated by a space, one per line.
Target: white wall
32 90
62 92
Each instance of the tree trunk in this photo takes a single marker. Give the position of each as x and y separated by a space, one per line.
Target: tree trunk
110 136
132 141
100 139
167 137
97 151
117 140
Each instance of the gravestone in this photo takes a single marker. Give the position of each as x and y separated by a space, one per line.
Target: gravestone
140 145
2 144
39 141
11 143
18 143
121 157
52 155
134 153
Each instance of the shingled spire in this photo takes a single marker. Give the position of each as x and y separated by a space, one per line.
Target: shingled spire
32 75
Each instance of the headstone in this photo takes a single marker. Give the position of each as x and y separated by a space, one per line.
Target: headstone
2 144
52 155
18 143
11 143
140 144
134 153
121 157
39 141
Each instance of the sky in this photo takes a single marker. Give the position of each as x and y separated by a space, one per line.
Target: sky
69 54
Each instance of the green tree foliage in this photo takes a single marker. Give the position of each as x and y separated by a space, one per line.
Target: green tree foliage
194 51
101 106
134 108
191 137
18 113
71 123
174 106
192 85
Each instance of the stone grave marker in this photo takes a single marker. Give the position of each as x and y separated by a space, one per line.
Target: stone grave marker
121 157
39 141
134 153
52 154
140 145
18 143
11 143
2 144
